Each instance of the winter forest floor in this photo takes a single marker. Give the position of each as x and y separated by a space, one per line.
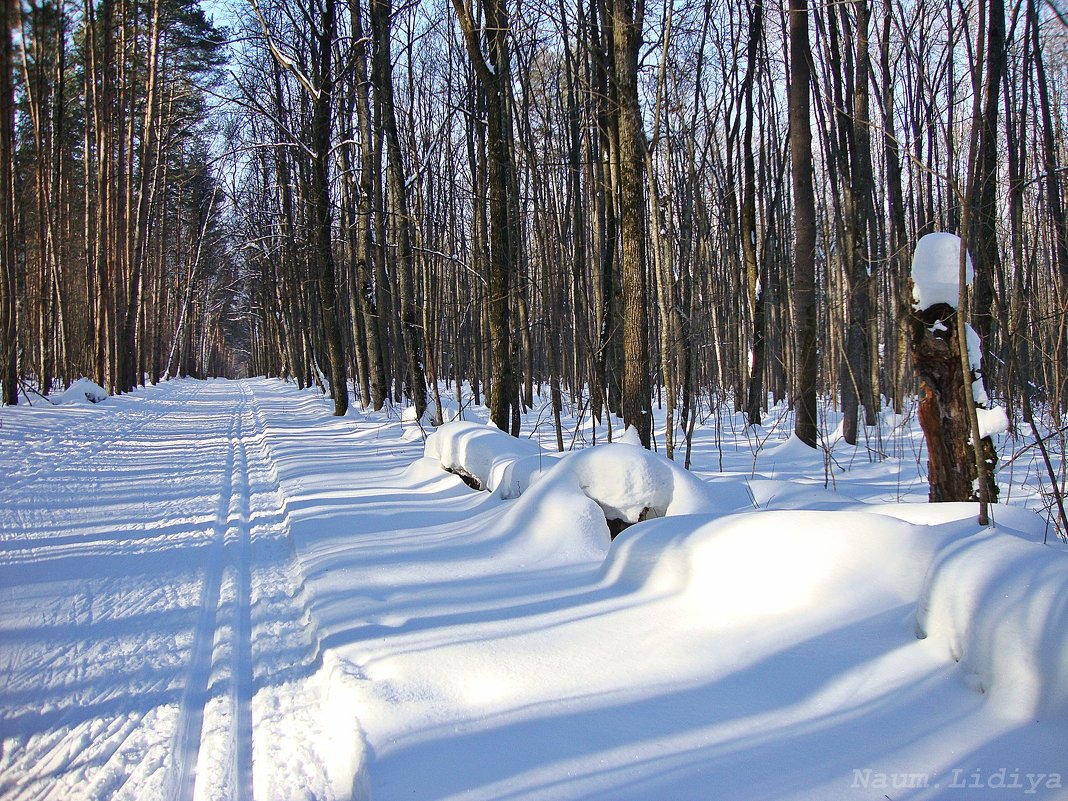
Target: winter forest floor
216 590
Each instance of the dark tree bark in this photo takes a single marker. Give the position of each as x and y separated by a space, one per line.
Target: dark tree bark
322 244
983 237
856 370
492 68
415 380
627 38
943 413
897 234
363 269
607 288
757 397
806 425
8 340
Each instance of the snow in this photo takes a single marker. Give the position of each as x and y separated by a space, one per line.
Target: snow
992 421
288 605
975 347
997 606
936 270
81 391
486 454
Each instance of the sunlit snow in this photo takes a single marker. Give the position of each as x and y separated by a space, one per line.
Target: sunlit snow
217 590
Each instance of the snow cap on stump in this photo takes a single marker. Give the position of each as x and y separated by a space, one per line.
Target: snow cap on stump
936 269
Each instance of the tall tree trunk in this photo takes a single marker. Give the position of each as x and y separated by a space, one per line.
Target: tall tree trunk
627 18
322 241
492 68
898 261
137 252
982 238
856 370
364 286
8 331
806 424
415 379
757 397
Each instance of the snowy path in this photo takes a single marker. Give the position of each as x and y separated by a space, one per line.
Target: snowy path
147 594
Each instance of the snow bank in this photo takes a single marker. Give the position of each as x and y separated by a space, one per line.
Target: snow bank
570 507
791 456
936 270
747 568
81 391
486 456
1000 607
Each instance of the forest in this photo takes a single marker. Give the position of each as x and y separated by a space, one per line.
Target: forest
626 204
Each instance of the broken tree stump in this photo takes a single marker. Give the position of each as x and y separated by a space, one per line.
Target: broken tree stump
946 401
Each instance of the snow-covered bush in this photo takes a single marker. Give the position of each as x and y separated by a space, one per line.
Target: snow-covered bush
571 505
81 391
486 457
760 565
573 510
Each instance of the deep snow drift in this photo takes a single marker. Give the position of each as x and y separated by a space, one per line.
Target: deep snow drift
217 590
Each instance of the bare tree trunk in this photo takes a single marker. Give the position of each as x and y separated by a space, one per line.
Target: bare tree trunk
627 35
757 397
415 379
806 425
898 261
856 370
982 238
8 331
322 249
137 252
492 68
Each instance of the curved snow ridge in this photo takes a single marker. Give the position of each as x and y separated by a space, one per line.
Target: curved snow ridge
999 605
767 564
991 601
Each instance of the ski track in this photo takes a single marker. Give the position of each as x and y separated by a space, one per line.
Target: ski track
187 588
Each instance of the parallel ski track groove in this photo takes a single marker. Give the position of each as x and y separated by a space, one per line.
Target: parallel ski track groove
242 684
196 696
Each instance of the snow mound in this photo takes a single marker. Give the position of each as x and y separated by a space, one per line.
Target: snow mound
1000 607
575 507
81 391
631 483
486 457
936 270
750 568
792 456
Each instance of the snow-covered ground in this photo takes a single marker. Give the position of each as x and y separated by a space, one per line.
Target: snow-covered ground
217 590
